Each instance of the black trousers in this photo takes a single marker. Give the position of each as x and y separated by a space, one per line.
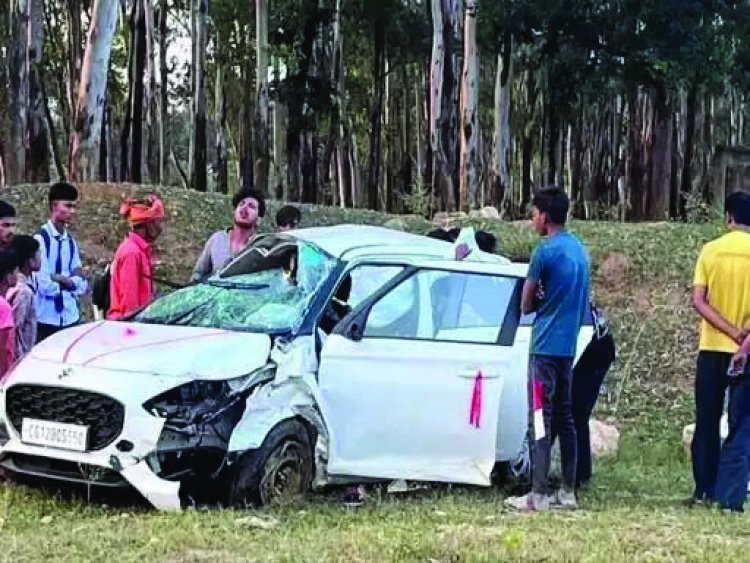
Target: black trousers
711 383
44 331
588 376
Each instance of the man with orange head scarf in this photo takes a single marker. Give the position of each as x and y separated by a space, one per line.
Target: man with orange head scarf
131 286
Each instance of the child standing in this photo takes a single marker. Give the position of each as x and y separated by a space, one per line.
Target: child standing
22 297
8 266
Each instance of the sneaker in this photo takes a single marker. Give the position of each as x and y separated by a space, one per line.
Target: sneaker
694 502
531 502
565 500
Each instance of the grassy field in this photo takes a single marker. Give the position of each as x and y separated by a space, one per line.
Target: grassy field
632 510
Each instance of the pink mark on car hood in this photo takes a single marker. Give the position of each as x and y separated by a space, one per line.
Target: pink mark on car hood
164 350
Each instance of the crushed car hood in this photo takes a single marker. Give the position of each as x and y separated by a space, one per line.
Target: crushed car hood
157 349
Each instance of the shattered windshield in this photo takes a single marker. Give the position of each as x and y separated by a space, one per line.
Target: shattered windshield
265 289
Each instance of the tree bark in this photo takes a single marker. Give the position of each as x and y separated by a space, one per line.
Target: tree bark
662 157
220 105
199 104
37 154
470 134
74 51
52 134
247 179
500 179
686 184
374 160
84 146
163 95
137 107
262 153
444 100
18 71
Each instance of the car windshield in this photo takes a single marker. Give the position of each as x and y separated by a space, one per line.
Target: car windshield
266 289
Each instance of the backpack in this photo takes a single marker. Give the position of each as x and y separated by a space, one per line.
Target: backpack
100 296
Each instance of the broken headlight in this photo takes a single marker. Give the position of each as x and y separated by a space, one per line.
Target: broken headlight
199 419
196 399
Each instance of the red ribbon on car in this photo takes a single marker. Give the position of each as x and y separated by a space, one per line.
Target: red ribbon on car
475 412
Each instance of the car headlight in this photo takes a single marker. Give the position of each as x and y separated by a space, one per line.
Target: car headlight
201 397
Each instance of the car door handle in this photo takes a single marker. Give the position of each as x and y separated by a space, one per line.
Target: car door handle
472 374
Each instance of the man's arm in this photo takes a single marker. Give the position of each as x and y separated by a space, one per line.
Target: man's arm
47 286
204 266
532 289
529 301
79 282
713 317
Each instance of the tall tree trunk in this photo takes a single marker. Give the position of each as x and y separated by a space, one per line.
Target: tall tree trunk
137 107
376 118
37 154
247 179
220 105
193 83
337 133
199 103
443 100
163 95
74 51
662 157
104 145
15 157
500 182
527 144
686 184
84 146
125 134
470 134
52 134
262 153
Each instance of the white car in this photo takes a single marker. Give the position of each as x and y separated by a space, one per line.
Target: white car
319 356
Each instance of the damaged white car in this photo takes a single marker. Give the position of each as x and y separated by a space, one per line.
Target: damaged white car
319 356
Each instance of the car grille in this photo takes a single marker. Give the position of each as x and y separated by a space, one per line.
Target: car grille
103 415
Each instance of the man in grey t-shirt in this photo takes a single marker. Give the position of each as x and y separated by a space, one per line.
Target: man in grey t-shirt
222 246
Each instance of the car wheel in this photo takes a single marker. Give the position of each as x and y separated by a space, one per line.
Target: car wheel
280 469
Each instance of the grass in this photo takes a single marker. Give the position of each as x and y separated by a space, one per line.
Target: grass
632 511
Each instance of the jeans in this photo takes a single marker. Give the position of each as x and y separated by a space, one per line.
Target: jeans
711 383
550 387
734 462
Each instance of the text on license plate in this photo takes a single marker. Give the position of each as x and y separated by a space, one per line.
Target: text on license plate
54 434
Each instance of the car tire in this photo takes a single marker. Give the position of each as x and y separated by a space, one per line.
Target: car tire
280 469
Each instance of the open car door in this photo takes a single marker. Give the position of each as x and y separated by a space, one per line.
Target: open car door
411 380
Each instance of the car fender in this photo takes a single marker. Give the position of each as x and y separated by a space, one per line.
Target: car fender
291 394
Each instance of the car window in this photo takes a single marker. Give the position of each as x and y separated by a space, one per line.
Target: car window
444 306
368 279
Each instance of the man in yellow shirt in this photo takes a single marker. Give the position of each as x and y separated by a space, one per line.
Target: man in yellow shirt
721 295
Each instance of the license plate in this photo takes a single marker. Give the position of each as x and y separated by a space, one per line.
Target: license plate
54 434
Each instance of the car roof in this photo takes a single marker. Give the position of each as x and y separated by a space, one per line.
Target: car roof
347 241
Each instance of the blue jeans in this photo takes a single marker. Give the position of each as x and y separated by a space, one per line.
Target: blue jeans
734 462
554 377
711 383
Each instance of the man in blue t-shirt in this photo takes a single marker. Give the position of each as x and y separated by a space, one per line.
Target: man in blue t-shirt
557 289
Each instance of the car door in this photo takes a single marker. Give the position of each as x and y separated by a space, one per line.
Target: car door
410 383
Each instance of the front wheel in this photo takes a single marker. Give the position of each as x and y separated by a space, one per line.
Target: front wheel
280 469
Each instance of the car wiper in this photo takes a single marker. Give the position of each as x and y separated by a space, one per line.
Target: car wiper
236 285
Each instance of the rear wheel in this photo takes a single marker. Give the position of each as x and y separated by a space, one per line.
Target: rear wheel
281 469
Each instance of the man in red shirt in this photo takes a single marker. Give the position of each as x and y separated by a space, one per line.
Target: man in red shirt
130 285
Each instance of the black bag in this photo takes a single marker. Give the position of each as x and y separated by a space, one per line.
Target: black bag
100 289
